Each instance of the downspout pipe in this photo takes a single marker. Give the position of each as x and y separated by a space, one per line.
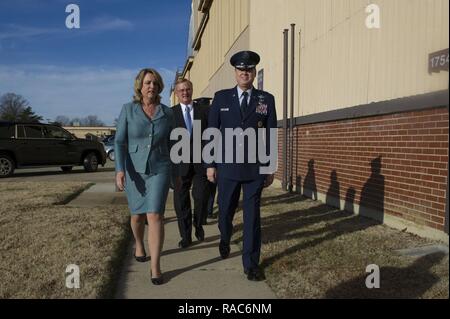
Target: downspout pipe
291 119
285 109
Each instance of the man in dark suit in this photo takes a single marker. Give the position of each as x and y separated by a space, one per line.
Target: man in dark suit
242 108
192 174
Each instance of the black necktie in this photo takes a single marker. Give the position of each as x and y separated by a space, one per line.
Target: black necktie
244 102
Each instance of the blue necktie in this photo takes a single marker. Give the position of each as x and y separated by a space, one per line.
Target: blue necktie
244 102
187 119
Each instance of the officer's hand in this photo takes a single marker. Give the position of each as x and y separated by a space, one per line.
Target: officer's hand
211 174
269 180
120 181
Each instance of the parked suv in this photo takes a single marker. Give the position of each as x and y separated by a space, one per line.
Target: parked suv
34 144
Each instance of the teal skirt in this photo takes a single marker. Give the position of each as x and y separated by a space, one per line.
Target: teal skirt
147 193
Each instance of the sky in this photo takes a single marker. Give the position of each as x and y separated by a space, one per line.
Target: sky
89 70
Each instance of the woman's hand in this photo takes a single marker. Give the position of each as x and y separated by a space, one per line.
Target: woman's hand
120 181
211 174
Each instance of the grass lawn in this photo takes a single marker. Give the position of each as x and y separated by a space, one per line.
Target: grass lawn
39 238
311 250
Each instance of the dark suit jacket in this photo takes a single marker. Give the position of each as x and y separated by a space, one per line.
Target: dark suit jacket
200 113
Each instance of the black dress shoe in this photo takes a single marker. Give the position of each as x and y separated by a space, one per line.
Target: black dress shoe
254 274
141 259
200 233
224 249
157 280
184 243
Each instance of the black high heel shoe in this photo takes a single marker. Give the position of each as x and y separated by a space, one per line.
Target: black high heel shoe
158 280
141 259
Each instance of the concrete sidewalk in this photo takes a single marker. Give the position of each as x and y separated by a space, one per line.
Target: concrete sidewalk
192 273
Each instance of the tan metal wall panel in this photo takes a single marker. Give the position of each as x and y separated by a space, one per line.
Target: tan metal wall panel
227 22
340 63
224 77
400 48
343 63
358 51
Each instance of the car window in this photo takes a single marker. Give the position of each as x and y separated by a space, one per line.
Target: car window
108 139
33 131
20 131
55 132
6 131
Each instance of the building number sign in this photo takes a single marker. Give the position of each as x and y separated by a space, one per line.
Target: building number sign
438 61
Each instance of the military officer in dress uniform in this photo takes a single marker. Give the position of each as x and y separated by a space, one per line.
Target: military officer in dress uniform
242 107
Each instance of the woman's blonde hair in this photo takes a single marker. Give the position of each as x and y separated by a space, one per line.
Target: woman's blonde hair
138 82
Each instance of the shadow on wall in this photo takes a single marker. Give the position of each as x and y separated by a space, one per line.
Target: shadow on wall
309 185
410 282
298 184
333 193
300 227
372 195
350 200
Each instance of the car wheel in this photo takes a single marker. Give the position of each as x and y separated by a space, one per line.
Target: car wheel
111 155
66 168
90 162
7 166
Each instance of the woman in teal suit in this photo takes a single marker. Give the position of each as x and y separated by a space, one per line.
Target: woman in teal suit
143 165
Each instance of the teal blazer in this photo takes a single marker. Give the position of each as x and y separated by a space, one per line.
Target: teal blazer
144 142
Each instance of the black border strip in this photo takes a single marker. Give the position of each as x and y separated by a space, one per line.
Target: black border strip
406 104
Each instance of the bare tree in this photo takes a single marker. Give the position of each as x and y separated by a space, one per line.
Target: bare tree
92 120
62 120
75 121
14 107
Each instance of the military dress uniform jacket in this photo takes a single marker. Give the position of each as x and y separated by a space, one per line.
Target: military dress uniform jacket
225 112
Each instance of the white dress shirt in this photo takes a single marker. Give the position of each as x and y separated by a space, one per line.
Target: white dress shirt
191 113
241 97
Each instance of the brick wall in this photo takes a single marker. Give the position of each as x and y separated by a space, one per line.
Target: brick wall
394 164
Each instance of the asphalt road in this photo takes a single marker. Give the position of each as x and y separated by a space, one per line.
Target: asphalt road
103 175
